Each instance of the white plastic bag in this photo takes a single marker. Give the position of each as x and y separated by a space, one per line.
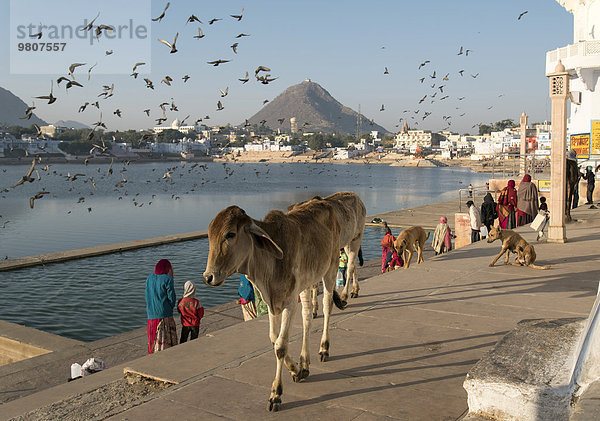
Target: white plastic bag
538 222
93 365
484 231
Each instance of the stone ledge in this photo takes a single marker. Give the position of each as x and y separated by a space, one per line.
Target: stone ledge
527 374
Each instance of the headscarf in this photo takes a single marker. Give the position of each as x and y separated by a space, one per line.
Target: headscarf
511 183
163 267
526 179
511 193
443 220
488 198
189 289
245 290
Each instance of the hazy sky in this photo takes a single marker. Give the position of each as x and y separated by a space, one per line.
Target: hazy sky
342 45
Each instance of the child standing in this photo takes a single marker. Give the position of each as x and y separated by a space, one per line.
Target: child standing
543 210
191 311
341 281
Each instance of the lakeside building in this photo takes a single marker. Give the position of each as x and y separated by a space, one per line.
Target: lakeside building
193 146
52 130
176 125
30 144
412 139
582 60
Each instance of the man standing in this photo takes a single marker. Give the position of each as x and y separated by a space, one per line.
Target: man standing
475 217
590 177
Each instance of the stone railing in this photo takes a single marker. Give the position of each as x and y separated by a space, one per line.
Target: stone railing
583 48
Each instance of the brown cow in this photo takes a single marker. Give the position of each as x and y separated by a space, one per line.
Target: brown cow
282 256
350 214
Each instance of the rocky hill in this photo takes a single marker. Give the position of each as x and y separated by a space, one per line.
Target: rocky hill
310 103
12 108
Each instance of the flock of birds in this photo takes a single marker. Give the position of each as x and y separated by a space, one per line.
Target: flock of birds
262 75
175 180
433 82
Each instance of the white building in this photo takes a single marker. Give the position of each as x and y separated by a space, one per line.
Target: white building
582 60
176 125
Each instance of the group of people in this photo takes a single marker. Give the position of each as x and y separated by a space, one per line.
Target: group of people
160 301
515 207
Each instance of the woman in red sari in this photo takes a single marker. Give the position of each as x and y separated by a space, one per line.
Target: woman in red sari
507 205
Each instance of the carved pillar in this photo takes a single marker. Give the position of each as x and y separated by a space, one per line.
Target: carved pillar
523 150
559 93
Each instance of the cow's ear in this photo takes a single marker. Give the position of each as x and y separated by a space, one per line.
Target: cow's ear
263 240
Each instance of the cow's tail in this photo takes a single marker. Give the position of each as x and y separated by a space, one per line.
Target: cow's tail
337 300
360 257
426 238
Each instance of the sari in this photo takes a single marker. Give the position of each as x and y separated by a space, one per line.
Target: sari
507 203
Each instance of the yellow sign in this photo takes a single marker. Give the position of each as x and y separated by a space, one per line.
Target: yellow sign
544 185
581 144
595 138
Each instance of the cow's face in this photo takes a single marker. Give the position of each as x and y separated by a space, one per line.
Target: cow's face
231 236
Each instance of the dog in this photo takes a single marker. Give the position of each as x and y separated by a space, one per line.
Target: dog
407 239
514 243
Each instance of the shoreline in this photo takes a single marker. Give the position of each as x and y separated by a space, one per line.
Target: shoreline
390 159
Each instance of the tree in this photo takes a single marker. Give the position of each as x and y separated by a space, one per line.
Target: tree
484 129
316 142
169 135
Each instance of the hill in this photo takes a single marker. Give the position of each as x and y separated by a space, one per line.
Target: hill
12 108
71 124
310 103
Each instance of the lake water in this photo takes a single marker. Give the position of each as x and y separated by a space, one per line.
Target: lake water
97 297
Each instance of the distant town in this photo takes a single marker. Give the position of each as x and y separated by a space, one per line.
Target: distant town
201 141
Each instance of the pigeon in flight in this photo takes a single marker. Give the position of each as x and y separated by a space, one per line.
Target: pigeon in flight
522 14
168 44
162 15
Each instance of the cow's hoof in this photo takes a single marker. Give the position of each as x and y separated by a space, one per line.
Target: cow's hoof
315 315
354 295
324 356
491 265
301 375
274 404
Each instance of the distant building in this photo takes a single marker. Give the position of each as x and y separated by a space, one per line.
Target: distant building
411 139
52 130
176 125
293 125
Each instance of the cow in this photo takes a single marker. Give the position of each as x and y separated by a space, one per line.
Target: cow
350 212
281 255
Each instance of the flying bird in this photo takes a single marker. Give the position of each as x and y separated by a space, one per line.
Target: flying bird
162 15
386 72
265 101
168 44
51 98
475 76
200 34
224 92
90 25
117 112
27 177
423 64
213 20
217 62
136 65
460 52
219 106
245 79
39 34
38 195
149 83
185 78
109 52
238 17
147 112
382 108
90 71
234 47
242 35
72 68
193 18
522 14
167 80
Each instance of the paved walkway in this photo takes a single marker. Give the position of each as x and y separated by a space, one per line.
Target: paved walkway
401 350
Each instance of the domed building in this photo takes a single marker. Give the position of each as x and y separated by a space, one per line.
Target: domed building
176 125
